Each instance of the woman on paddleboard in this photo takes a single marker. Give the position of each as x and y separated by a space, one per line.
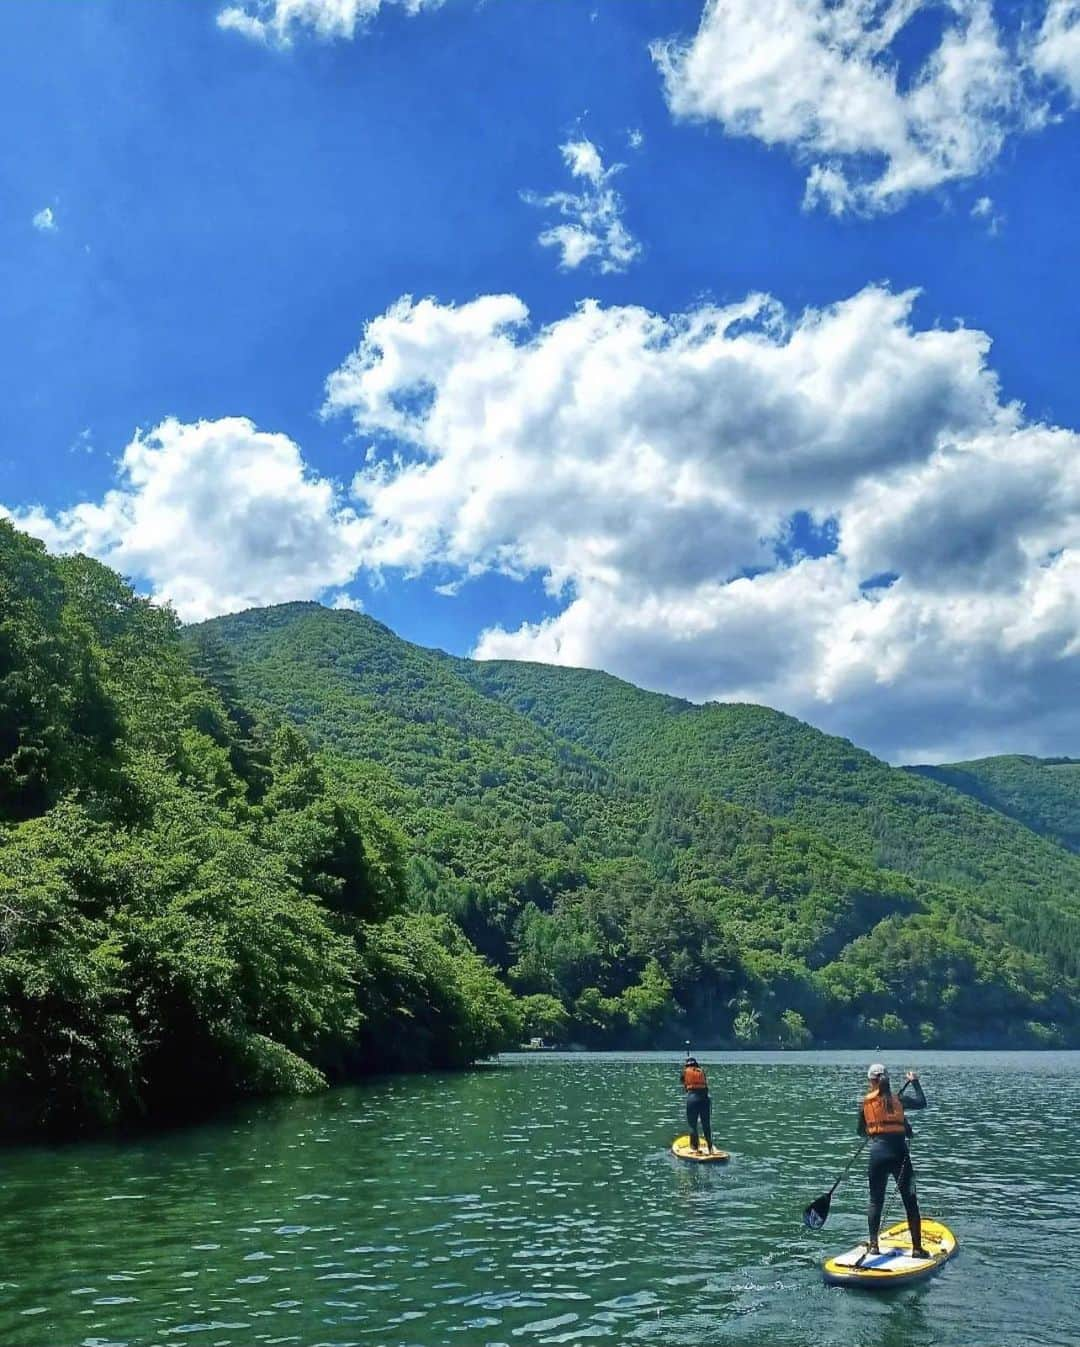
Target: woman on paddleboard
698 1107
881 1118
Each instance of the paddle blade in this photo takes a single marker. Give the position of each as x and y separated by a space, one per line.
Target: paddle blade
817 1213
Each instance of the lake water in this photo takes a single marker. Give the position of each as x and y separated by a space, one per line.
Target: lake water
535 1202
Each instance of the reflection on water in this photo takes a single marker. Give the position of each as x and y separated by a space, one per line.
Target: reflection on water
536 1202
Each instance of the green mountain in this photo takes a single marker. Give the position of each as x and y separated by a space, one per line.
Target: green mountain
286 846
632 862
189 910
763 759
1041 793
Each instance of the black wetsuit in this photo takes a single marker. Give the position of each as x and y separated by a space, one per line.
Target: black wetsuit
698 1115
889 1155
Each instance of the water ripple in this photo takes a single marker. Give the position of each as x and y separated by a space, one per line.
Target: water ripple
544 1207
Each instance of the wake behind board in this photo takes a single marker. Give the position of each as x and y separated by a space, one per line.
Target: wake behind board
894 1265
680 1148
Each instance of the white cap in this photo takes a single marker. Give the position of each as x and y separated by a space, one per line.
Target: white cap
876 1069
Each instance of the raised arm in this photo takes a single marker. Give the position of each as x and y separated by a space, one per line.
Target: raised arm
914 1098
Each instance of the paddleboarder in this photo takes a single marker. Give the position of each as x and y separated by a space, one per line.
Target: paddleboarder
698 1106
882 1120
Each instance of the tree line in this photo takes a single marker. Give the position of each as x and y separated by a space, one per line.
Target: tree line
286 848
190 909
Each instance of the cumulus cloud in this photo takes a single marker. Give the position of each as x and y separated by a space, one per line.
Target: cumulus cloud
343 601
275 23
45 221
1056 53
835 512
824 79
650 467
592 229
217 516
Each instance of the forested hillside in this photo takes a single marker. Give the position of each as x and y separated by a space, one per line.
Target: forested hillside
761 758
189 910
286 846
1041 793
635 864
758 757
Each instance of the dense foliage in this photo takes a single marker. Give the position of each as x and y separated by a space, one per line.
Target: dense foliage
760 758
188 909
637 866
286 846
1042 793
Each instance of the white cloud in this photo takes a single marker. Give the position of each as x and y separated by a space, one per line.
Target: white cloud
635 138
275 22
654 470
983 209
217 516
822 78
594 230
45 221
1056 53
343 601
649 468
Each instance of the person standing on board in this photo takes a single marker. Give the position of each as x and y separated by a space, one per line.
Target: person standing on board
698 1107
882 1119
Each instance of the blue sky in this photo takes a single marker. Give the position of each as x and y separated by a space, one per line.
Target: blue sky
197 227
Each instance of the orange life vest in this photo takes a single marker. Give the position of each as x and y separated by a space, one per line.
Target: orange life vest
693 1078
884 1114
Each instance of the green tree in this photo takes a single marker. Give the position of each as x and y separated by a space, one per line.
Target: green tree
747 1024
795 1033
647 1005
190 910
58 726
544 1016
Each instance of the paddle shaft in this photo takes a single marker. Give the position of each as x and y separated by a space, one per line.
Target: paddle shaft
847 1168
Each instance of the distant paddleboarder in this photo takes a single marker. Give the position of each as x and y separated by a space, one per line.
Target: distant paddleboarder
881 1118
698 1106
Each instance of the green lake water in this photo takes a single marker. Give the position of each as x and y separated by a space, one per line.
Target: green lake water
535 1202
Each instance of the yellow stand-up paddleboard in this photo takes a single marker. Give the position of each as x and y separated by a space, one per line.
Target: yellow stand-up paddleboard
894 1265
680 1147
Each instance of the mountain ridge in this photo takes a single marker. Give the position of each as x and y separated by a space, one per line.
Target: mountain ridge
765 759
558 813
1041 793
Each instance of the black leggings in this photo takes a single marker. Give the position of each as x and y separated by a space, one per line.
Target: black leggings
698 1113
886 1163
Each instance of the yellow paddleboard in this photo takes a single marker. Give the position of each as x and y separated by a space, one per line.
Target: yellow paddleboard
894 1265
681 1147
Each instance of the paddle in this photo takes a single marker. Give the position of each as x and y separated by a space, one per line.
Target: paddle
817 1213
